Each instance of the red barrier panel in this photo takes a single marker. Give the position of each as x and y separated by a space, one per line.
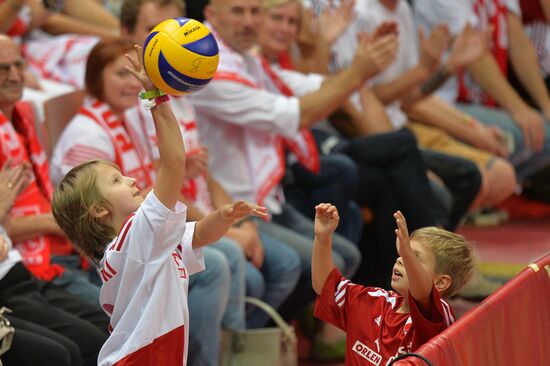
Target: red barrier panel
509 328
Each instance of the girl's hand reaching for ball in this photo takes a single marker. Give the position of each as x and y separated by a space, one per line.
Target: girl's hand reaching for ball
137 69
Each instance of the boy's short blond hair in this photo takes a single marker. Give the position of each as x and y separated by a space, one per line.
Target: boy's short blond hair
73 205
454 255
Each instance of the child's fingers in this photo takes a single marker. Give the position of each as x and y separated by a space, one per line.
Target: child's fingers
133 61
138 49
259 210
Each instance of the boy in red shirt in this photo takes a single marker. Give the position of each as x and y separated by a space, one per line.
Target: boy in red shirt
380 325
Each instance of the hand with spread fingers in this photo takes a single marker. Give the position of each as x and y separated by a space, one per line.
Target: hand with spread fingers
241 209
334 21
136 68
402 241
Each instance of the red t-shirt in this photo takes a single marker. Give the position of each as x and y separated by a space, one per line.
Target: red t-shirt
375 332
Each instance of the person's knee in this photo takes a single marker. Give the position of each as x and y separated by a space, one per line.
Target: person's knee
502 181
346 168
233 253
217 272
255 284
293 268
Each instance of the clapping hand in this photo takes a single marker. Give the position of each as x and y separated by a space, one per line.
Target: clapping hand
468 47
375 55
12 182
433 46
333 22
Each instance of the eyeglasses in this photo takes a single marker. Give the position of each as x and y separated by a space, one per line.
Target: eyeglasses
5 68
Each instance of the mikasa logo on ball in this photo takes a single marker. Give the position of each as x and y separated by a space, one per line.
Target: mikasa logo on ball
153 47
186 33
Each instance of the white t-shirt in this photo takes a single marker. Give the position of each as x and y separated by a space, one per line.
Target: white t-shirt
145 272
456 14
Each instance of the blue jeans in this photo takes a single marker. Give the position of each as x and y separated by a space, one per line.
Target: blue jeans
524 160
234 316
208 297
274 282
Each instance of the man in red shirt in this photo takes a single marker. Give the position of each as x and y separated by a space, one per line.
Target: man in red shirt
381 325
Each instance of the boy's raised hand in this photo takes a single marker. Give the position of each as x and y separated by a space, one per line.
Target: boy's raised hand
326 219
241 209
402 240
136 68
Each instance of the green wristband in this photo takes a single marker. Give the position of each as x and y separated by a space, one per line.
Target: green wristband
151 94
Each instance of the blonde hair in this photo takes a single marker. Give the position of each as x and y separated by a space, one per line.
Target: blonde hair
454 255
73 205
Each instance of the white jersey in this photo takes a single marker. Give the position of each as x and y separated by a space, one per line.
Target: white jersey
145 272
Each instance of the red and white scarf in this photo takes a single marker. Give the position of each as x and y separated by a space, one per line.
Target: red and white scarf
265 151
132 160
490 13
19 142
303 145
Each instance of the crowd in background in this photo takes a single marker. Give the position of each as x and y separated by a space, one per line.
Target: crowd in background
436 108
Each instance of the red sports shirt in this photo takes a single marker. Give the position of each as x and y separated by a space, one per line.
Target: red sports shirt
375 332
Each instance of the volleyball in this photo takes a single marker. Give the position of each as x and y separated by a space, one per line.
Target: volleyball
180 56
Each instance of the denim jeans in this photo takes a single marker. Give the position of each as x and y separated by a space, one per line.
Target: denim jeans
234 316
275 281
336 182
524 160
208 297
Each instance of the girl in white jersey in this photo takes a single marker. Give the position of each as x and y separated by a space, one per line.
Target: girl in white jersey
143 247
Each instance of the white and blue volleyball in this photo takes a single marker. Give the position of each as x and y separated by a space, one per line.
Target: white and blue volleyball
180 56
